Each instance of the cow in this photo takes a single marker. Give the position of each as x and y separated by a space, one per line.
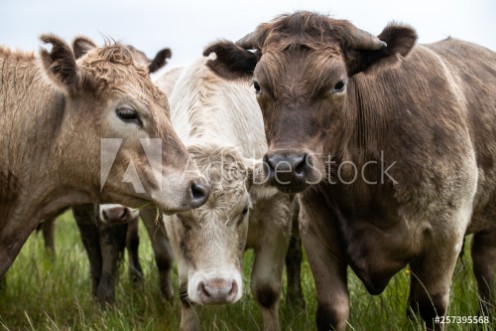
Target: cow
106 229
62 121
221 125
391 145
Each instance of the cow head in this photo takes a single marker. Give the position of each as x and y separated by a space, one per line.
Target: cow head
302 67
209 241
116 142
81 45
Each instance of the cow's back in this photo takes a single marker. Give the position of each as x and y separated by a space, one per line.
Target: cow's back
207 108
474 72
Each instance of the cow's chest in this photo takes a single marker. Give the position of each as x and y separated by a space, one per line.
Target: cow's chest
378 237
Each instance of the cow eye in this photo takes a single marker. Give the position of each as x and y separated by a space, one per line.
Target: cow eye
339 87
128 115
256 85
243 214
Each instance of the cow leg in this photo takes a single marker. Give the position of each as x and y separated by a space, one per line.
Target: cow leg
132 244
190 320
273 217
294 257
85 216
321 241
112 242
484 264
431 279
161 248
48 230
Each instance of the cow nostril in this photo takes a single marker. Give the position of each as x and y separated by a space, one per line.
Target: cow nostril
299 164
269 161
203 289
124 213
199 193
234 289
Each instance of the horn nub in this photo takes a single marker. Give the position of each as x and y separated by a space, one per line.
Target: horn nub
250 41
363 40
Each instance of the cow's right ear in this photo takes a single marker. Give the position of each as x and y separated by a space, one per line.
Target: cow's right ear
160 60
81 46
231 62
60 64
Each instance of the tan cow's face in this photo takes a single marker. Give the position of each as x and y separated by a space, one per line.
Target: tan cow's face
117 139
209 241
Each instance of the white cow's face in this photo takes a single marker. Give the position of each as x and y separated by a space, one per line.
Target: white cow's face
209 241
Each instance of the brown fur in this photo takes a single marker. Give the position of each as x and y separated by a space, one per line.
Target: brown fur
429 108
54 111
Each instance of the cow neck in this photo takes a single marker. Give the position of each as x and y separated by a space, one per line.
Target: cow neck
367 114
31 118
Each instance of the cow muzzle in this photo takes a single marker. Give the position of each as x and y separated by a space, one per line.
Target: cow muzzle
116 214
215 289
290 171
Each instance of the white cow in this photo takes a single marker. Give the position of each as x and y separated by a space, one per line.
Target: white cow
221 124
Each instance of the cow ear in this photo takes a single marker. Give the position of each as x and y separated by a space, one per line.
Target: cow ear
231 62
60 64
400 40
160 60
81 46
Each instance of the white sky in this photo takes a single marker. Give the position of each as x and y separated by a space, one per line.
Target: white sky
188 26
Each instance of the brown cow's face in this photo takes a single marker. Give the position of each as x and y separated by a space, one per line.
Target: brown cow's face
302 68
301 93
117 140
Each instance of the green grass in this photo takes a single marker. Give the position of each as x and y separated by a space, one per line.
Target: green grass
46 294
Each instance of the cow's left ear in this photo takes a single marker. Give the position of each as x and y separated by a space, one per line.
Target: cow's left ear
231 62
82 45
60 64
160 60
400 40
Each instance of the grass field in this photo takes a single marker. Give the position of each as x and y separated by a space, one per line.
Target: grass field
46 294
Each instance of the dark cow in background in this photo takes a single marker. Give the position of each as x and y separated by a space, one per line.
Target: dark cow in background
392 144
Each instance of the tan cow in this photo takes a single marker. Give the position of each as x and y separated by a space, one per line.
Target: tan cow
221 124
54 112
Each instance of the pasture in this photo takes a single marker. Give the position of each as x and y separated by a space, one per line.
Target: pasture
46 294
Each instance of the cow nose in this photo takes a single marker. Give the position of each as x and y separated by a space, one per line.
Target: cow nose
115 215
218 291
287 165
199 192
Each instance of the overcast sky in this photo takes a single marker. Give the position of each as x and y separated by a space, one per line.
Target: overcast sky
188 26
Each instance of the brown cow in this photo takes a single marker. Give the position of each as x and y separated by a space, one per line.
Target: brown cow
392 144
54 112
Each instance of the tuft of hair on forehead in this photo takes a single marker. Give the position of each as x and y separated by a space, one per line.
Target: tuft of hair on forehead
224 167
304 28
115 64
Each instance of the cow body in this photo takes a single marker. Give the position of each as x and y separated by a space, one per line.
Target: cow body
221 124
396 143
54 113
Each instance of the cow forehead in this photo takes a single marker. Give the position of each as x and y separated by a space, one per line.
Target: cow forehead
114 66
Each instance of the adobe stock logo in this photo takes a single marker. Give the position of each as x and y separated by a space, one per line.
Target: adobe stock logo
109 147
